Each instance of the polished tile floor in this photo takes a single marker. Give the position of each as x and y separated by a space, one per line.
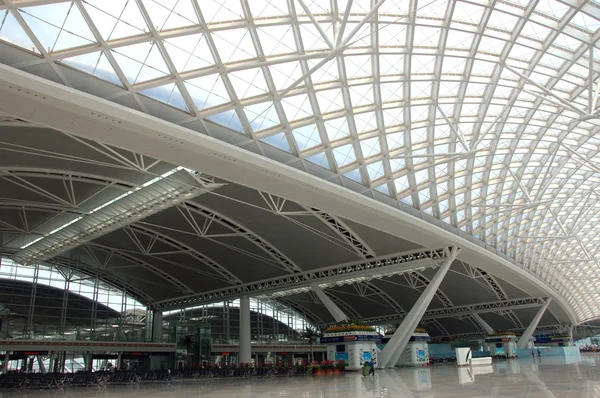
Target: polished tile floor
546 377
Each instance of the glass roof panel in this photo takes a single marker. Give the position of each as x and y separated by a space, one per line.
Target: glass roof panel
116 19
512 79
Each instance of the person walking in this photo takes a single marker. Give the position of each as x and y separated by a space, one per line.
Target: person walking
372 363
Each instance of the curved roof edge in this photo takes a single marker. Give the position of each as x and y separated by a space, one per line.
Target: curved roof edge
44 102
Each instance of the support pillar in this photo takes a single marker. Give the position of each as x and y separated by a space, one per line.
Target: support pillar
333 309
41 364
6 361
488 329
245 335
522 343
394 348
157 327
119 361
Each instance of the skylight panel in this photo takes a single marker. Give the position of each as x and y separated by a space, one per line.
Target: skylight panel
312 39
229 119
366 121
277 40
391 91
58 26
207 91
141 62
395 140
330 100
169 94
285 74
375 170
401 184
320 159
116 19
95 64
421 176
370 147
394 8
307 137
362 38
420 89
426 37
453 65
354 175
422 64
262 116
12 32
344 155
432 9
418 135
248 82
392 36
316 7
297 107
171 15
337 128
397 165
585 22
535 31
393 116
384 189
361 95
189 52
424 196
567 42
278 141
234 45
268 8
502 21
214 11
391 64
419 113
358 66
467 13
327 73
491 45
459 40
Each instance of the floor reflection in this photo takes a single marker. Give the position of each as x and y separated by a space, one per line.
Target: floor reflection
526 377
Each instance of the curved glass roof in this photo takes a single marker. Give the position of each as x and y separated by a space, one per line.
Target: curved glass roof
482 114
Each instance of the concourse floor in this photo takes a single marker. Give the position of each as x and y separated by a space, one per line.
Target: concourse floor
545 377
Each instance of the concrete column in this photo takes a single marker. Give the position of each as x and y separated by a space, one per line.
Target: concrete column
157 327
245 336
6 360
394 348
522 343
41 364
488 329
119 361
333 309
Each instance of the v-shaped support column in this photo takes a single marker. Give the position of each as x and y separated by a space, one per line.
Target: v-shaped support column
522 343
488 329
333 309
392 351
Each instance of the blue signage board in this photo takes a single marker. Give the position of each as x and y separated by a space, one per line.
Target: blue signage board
341 356
420 338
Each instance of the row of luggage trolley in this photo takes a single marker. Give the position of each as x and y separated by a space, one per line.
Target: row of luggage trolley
42 381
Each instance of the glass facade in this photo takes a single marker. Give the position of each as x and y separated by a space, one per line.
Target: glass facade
45 302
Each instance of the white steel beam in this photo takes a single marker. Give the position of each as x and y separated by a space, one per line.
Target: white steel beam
391 353
522 343
333 309
488 329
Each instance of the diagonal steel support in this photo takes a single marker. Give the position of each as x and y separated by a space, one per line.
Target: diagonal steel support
391 353
488 329
333 309
522 343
